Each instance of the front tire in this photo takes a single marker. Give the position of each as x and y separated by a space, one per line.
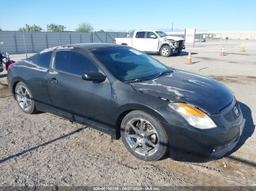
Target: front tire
178 53
24 98
144 136
166 51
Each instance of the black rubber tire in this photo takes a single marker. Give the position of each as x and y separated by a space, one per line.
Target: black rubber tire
178 53
1 67
163 138
169 51
33 108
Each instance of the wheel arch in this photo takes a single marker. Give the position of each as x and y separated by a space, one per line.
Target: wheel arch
14 84
165 44
124 110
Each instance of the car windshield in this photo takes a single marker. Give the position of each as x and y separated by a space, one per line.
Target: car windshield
129 65
161 33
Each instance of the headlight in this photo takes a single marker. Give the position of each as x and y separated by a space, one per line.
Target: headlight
171 41
193 116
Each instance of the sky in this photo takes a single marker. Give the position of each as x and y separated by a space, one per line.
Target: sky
124 15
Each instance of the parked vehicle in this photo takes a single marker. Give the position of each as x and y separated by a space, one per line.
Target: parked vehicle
152 41
5 60
1 63
124 92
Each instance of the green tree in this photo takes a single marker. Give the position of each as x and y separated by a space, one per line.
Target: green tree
0 29
84 27
101 30
55 28
31 28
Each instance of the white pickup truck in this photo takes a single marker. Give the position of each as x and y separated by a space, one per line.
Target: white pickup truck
152 41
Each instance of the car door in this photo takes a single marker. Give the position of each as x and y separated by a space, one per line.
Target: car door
37 78
140 42
152 42
70 93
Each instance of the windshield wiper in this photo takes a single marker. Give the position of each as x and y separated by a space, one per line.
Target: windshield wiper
134 80
150 78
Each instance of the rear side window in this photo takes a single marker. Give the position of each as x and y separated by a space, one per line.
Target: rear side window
42 60
73 62
140 35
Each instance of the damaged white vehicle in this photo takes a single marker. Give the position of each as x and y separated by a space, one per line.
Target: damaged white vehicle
153 41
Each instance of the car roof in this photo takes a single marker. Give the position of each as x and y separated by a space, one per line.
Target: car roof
85 46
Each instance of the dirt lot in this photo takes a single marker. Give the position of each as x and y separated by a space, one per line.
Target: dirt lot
44 149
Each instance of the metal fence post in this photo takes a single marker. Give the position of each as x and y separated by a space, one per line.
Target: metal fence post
46 40
91 37
25 44
32 42
15 42
81 38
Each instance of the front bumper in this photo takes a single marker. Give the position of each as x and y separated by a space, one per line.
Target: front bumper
213 143
224 149
179 45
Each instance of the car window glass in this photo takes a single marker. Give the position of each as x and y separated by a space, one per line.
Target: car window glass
73 62
42 60
128 64
149 34
140 35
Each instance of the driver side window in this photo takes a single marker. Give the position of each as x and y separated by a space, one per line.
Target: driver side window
151 35
73 62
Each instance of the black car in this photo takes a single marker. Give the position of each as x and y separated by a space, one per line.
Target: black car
128 94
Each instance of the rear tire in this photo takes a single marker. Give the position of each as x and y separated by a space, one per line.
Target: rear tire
24 98
166 51
144 136
1 67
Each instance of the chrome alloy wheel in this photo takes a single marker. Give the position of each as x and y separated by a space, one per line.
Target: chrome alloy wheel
23 97
165 51
142 137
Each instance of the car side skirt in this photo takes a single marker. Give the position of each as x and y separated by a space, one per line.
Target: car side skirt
73 117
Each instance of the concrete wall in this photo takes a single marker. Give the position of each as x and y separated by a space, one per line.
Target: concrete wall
22 42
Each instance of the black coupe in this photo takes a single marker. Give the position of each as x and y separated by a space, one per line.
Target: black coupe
128 94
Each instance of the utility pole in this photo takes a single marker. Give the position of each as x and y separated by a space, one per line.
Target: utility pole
172 26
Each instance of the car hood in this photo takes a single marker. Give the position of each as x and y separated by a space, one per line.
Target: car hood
179 86
176 38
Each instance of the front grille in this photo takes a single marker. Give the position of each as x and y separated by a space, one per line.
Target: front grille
181 44
233 114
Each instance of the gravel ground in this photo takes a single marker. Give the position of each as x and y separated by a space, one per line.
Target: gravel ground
42 149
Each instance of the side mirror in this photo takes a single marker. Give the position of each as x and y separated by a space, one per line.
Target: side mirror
153 36
96 77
